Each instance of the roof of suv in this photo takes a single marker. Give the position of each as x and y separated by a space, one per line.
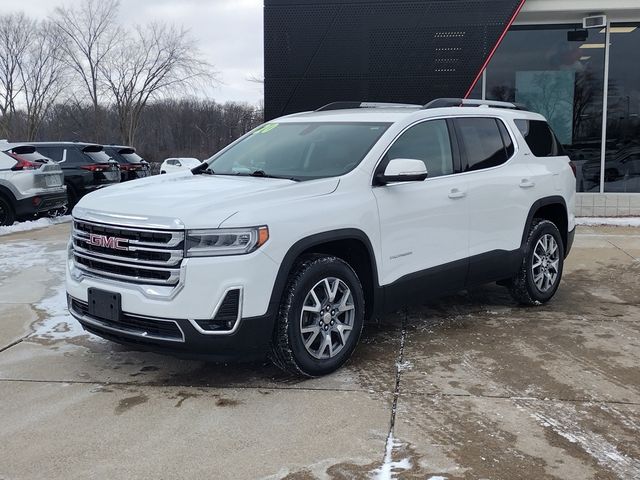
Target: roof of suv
79 144
389 113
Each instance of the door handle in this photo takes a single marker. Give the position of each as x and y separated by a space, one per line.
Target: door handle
526 183
457 193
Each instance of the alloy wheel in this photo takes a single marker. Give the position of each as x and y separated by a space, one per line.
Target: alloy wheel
546 261
327 318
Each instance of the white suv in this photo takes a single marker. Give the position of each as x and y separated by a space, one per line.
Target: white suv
288 240
30 183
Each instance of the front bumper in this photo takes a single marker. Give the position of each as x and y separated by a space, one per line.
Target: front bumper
41 203
178 337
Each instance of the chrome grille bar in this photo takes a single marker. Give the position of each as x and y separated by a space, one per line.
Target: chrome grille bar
128 254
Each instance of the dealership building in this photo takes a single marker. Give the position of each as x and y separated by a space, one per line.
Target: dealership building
575 61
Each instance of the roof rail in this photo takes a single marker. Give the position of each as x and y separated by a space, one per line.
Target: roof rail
349 105
466 102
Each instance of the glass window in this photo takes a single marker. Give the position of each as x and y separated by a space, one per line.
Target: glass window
53 153
506 139
428 141
76 157
541 140
622 158
483 143
561 79
300 150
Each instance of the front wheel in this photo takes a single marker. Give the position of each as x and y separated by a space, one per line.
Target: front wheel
320 318
541 270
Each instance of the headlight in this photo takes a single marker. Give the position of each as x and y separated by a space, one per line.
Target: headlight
225 241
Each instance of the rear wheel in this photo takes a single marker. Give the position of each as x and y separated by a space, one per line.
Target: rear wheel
541 269
7 213
320 318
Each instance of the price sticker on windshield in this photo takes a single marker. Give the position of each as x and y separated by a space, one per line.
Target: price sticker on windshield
267 128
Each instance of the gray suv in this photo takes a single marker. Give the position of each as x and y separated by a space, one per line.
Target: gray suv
30 183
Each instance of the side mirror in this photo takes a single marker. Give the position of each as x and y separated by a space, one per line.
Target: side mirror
402 170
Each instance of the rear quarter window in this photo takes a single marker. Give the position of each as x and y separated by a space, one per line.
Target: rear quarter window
486 142
540 138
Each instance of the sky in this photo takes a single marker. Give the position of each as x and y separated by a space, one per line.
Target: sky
228 32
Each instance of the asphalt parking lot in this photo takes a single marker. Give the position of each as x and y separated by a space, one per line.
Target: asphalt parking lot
470 386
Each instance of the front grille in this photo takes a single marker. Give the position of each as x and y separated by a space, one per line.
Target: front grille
226 316
132 324
135 255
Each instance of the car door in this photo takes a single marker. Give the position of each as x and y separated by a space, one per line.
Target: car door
424 225
500 191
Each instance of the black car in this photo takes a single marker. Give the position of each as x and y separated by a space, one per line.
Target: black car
86 167
132 165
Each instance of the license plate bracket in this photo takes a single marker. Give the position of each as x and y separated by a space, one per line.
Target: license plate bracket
104 305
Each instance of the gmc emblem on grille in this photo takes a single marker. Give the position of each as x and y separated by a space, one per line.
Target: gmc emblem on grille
104 241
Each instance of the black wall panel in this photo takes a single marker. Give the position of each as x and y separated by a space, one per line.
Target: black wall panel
317 52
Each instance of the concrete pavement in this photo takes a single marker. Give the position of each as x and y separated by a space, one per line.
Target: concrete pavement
470 386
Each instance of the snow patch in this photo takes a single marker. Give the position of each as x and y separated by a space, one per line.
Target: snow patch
613 221
404 366
33 225
389 468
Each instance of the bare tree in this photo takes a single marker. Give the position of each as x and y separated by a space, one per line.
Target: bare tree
15 35
158 60
90 32
42 72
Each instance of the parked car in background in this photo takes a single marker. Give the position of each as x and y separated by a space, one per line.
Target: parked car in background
30 183
625 164
177 164
86 167
131 164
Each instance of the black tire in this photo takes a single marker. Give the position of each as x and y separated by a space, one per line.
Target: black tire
72 199
288 347
162 172
7 213
522 287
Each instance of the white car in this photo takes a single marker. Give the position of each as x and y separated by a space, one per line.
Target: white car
30 183
171 165
288 240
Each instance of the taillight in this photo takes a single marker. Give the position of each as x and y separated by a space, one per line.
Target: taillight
573 168
96 167
22 163
127 168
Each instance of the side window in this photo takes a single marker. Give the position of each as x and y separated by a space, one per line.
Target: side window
541 140
428 141
483 142
177 163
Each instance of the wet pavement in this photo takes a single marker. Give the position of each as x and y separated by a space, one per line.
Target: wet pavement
470 386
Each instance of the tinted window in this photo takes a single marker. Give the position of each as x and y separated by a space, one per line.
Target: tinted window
483 143
76 157
97 156
506 139
540 138
429 142
53 153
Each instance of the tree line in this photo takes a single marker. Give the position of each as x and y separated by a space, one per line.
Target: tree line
80 75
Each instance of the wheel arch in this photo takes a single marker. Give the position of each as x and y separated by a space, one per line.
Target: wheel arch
351 245
8 195
554 209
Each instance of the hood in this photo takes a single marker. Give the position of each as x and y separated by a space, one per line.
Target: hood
192 201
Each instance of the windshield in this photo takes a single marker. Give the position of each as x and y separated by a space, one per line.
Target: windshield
300 151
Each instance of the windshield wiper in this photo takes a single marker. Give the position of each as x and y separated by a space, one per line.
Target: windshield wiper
203 168
263 174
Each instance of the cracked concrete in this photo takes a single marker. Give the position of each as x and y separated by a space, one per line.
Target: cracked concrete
470 386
